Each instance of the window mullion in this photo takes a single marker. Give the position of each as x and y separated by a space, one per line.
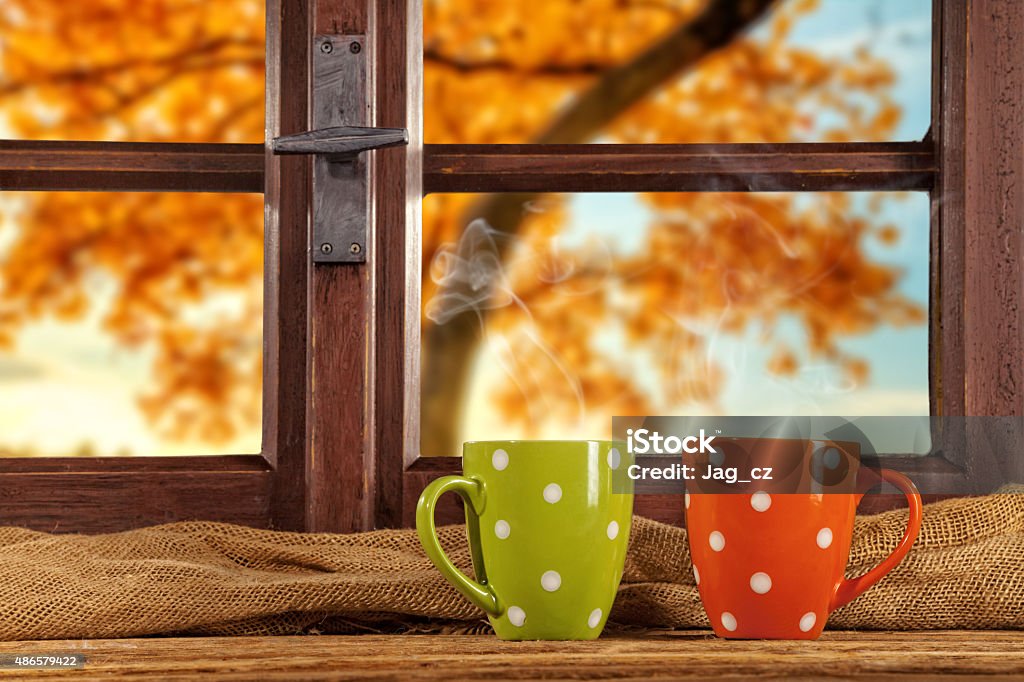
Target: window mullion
130 166
679 168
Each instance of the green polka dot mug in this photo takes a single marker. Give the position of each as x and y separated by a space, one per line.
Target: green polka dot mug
547 534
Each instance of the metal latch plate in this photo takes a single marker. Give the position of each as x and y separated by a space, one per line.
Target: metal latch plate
341 210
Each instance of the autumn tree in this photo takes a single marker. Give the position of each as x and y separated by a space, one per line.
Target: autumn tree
640 72
182 272
511 71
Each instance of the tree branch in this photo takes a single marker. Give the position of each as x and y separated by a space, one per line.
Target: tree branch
585 68
100 71
623 86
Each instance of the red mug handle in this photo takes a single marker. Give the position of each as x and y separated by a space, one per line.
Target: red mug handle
849 590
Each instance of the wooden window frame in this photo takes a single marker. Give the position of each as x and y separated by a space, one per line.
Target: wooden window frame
70 494
341 355
975 342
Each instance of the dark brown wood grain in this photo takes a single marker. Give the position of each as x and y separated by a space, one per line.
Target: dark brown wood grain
679 168
340 462
946 304
134 465
343 17
399 186
84 501
286 265
130 166
992 187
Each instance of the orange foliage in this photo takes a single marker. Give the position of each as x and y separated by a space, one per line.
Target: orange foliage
187 70
177 275
499 72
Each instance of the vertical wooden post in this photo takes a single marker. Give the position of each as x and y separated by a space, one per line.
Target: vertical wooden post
286 263
399 185
994 221
339 462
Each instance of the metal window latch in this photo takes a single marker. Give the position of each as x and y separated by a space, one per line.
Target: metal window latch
341 176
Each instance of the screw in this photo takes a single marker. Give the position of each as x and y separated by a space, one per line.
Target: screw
326 248
354 248
355 48
326 47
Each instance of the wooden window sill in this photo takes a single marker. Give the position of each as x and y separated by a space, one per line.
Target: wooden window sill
650 655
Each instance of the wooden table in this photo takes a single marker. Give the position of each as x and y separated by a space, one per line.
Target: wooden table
650 655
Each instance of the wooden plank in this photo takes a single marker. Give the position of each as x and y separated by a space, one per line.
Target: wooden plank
679 168
112 166
130 166
993 190
946 307
339 467
949 129
449 507
106 501
399 37
138 465
286 264
687 654
994 207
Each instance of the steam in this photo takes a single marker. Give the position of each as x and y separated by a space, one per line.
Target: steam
483 269
469 275
471 278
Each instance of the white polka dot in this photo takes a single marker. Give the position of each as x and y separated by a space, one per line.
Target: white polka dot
717 541
516 616
728 621
613 530
808 621
686 500
551 581
552 492
614 458
696 574
499 460
760 501
595 618
760 582
716 457
502 529
824 538
831 458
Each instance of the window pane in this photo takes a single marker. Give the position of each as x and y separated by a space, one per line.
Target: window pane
543 317
137 70
810 70
130 324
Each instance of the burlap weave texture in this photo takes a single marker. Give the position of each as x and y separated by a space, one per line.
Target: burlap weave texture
965 571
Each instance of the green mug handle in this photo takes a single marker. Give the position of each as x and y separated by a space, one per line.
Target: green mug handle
472 493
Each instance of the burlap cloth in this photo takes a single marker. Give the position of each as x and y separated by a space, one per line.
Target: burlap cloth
965 571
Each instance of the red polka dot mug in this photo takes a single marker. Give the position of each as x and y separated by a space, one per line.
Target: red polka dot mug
771 564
